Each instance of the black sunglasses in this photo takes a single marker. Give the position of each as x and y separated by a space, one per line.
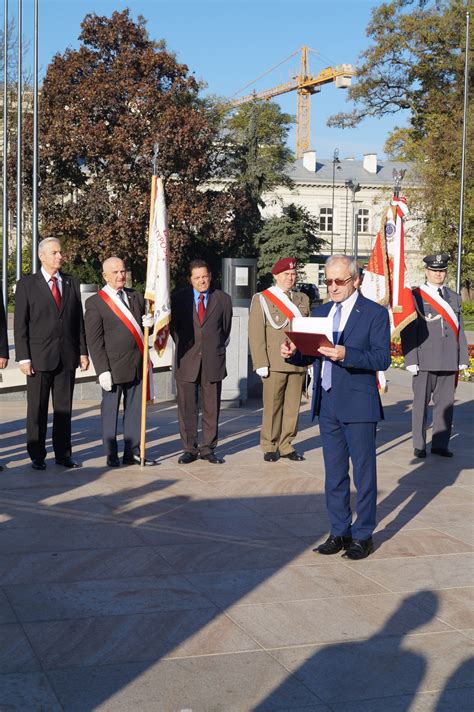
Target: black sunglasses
339 282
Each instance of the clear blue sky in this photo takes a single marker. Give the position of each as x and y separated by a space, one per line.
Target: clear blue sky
228 43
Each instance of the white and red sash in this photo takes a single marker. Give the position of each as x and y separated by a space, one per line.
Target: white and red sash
441 306
282 303
129 321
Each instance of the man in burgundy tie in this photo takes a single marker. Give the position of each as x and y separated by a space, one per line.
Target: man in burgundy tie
201 319
50 343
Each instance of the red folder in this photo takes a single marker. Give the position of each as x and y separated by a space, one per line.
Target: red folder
308 344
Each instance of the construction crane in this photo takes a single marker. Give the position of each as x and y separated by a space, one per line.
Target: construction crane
305 85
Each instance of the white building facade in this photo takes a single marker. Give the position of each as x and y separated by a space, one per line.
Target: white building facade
339 192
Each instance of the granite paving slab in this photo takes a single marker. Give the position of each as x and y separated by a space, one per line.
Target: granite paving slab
134 638
383 666
16 654
325 620
84 564
27 692
83 599
241 682
290 584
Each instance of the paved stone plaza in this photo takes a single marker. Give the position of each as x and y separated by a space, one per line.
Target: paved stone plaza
195 588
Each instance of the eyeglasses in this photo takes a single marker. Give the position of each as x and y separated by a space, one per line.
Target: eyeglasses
339 282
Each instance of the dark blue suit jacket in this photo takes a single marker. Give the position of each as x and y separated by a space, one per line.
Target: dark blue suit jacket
366 337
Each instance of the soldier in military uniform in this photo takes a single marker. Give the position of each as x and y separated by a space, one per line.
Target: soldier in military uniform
271 313
435 348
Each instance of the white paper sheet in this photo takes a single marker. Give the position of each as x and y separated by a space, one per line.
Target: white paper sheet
313 325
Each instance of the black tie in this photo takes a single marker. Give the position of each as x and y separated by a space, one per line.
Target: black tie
440 292
122 298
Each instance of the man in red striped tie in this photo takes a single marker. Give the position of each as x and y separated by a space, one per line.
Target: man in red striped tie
50 343
201 320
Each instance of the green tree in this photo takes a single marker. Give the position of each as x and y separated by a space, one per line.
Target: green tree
255 142
415 64
293 234
103 107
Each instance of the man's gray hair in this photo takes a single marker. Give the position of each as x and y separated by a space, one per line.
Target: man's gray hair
44 243
351 263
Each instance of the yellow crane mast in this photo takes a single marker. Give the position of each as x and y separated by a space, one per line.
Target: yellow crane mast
305 85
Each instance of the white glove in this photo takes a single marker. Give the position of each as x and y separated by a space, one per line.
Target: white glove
262 371
105 380
463 367
413 369
148 320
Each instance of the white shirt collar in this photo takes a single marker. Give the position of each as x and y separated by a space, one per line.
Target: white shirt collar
348 303
433 288
47 276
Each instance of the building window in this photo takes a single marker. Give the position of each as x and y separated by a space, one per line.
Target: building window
325 219
363 220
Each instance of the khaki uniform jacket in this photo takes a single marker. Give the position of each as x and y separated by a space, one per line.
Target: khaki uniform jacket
265 340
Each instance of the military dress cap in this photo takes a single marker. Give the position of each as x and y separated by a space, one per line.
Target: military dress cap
437 262
283 265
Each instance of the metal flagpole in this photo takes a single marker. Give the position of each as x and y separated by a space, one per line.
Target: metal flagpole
34 236
19 143
463 160
5 157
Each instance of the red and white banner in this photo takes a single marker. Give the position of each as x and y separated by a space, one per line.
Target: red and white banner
157 288
385 277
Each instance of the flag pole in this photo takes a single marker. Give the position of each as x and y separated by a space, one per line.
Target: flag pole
146 333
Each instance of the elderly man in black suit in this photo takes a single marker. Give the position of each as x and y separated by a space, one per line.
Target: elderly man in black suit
3 339
50 343
201 320
113 319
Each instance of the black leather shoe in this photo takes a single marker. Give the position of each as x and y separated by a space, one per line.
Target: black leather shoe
186 458
213 459
38 465
360 548
419 453
136 460
294 456
270 456
333 544
68 462
441 451
113 462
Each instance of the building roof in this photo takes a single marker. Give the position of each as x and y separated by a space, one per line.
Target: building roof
348 169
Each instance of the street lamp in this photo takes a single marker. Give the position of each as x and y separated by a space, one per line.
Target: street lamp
354 187
335 161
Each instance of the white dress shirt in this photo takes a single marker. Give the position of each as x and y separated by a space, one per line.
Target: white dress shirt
347 307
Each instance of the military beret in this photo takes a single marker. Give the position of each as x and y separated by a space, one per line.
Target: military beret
284 264
437 262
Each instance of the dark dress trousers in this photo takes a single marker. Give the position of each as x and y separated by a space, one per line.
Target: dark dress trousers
113 348
431 344
348 415
53 339
200 364
3 330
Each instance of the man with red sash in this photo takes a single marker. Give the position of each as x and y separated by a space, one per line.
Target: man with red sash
271 314
435 348
114 318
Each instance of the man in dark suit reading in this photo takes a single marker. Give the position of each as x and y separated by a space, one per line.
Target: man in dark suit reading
114 317
50 343
346 399
201 320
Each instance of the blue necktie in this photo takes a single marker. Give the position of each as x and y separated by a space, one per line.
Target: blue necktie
327 372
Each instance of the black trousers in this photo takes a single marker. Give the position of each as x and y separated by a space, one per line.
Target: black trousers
132 398
188 413
60 384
